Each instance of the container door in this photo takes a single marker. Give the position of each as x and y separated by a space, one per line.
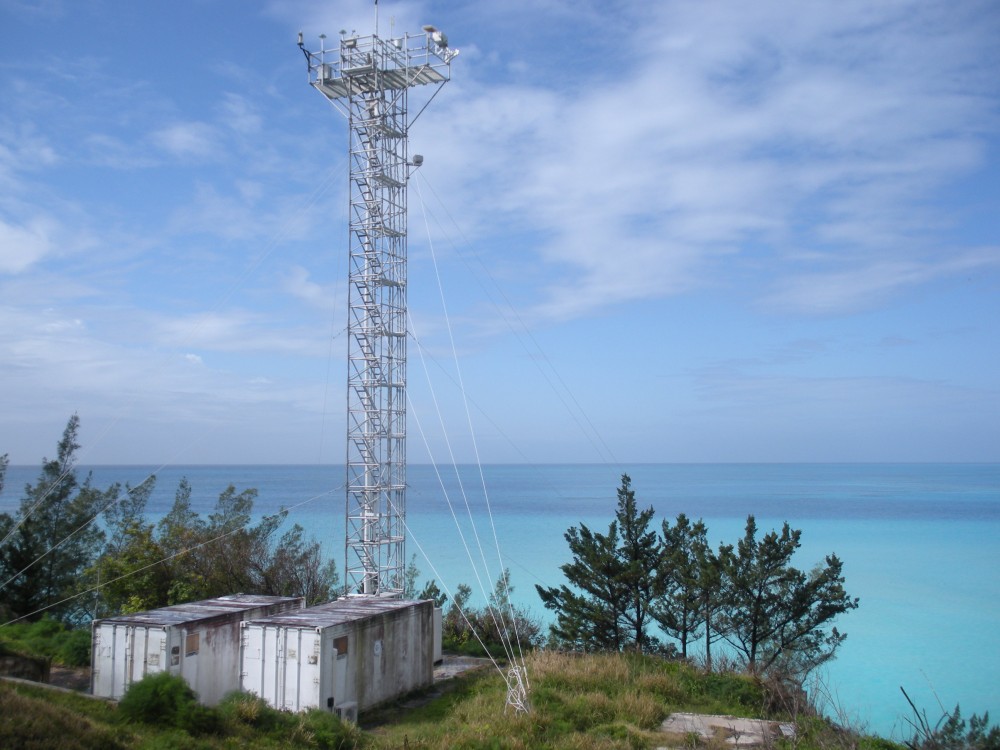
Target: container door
104 662
274 658
309 670
251 660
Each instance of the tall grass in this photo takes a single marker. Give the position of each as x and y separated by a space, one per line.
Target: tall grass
603 701
31 722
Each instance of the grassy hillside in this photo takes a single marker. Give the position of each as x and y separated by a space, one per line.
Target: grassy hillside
592 701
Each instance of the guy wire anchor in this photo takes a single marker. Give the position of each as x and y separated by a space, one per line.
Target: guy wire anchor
517 690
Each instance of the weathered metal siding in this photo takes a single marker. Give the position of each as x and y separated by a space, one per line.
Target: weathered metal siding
386 649
199 641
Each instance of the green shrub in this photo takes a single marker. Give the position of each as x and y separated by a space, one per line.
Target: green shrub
198 719
49 639
878 743
74 649
249 710
45 628
327 731
166 700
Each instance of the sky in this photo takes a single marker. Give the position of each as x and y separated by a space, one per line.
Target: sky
643 232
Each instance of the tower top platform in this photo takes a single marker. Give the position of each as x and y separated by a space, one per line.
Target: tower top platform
363 65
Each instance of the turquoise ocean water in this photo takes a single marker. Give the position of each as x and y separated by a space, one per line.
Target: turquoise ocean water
920 545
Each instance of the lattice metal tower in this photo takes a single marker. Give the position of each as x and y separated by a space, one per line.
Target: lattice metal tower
368 79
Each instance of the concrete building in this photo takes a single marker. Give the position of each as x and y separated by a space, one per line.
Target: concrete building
199 641
344 656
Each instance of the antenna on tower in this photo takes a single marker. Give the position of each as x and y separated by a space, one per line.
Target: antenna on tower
368 80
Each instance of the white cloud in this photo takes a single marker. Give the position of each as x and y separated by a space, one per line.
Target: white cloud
109 151
867 284
187 140
22 150
731 126
43 9
298 284
238 113
52 364
245 210
235 332
22 246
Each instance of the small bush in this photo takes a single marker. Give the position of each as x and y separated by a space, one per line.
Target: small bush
166 700
878 743
327 731
243 709
198 719
74 649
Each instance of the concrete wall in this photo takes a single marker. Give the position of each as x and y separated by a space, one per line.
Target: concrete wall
438 631
393 655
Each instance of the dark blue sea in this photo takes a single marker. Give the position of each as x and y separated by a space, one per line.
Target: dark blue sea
920 545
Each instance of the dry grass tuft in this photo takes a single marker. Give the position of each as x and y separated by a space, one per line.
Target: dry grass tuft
586 672
667 686
641 709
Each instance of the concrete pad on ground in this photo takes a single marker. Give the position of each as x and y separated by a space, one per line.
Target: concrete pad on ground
737 731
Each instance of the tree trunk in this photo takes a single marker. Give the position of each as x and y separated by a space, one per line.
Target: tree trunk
708 640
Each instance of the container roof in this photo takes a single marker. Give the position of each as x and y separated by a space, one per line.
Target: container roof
181 614
340 612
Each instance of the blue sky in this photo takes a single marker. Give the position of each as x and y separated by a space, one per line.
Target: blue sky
672 231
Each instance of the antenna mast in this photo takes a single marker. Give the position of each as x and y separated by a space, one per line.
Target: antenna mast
367 79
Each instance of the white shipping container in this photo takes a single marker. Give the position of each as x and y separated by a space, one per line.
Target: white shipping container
199 641
343 656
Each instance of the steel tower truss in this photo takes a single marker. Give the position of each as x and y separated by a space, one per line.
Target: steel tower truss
368 80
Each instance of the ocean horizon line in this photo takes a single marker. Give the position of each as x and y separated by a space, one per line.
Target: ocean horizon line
224 464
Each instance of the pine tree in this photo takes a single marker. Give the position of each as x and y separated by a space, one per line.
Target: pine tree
776 613
640 557
679 609
614 581
53 540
